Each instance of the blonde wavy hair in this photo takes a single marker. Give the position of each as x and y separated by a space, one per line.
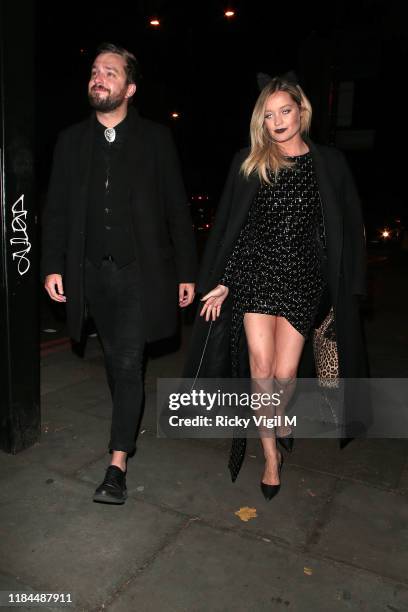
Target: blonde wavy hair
265 154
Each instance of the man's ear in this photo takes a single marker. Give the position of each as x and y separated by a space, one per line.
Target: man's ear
131 90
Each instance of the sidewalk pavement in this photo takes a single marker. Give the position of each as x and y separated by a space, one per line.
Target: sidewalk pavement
335 538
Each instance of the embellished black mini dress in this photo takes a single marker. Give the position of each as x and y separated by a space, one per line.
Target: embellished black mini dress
275 266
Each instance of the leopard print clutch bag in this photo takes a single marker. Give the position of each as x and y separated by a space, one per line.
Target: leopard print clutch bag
325 352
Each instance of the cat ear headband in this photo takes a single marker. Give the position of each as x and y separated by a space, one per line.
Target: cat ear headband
263 79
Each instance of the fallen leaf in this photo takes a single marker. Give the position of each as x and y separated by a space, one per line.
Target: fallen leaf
141 488
311 493
245 513
265 540
308 571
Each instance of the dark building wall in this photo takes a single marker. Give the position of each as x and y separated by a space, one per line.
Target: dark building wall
19 345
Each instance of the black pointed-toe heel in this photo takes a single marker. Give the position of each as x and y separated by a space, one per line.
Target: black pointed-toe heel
287 442
269 491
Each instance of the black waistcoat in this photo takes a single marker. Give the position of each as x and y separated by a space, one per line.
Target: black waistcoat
109 226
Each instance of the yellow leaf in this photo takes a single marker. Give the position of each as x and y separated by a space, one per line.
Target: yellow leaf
245 513
308 571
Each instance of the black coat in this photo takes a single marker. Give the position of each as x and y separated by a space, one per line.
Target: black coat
209 349
162 228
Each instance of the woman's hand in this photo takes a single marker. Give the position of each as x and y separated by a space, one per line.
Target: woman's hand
213 302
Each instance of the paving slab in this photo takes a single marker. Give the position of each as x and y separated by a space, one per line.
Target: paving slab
11 584
212 570
94 401
69 440
55 538
80 396
378 461
366 527
403 482
56 374
194 479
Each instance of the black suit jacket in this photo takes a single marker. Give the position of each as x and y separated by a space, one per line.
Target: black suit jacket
162 227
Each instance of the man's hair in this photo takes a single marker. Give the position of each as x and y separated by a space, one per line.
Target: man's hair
132 67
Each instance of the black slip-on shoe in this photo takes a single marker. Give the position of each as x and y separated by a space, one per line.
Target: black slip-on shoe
113 488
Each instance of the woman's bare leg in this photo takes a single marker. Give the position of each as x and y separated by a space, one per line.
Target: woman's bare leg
288 349
275 348
260 333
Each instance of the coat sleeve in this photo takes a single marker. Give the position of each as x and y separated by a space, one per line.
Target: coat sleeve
54 225
355 229
178 216
216 237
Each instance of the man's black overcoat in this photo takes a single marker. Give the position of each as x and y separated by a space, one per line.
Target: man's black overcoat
162 228
209 349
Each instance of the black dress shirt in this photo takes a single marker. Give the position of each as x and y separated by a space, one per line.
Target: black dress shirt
109 229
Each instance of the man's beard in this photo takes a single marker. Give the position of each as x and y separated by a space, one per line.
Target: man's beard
105 105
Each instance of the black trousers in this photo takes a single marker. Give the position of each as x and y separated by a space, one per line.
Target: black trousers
113 298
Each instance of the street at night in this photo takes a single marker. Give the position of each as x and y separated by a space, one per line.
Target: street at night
128 204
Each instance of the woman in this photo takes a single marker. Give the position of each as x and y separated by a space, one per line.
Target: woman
288 241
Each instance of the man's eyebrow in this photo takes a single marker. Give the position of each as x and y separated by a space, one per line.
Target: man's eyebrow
107 68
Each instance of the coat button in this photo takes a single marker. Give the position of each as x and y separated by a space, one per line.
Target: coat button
108 227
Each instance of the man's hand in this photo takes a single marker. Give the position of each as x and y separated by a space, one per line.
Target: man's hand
52 282
186 294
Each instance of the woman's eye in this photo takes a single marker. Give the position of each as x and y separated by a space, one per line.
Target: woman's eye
286 111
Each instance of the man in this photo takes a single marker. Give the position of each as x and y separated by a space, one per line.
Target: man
118 240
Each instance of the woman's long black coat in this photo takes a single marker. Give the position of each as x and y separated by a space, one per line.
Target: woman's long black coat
162 228
209 355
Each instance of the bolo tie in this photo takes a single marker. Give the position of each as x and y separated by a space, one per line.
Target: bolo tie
110 135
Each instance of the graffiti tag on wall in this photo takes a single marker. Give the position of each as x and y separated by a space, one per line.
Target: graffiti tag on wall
20 236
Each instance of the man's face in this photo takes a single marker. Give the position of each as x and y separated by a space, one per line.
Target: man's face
107 88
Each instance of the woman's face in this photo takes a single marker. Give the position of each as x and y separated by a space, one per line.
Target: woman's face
282 117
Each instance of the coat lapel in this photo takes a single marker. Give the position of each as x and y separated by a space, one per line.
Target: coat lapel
134 150
332 216
85 161
246 190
